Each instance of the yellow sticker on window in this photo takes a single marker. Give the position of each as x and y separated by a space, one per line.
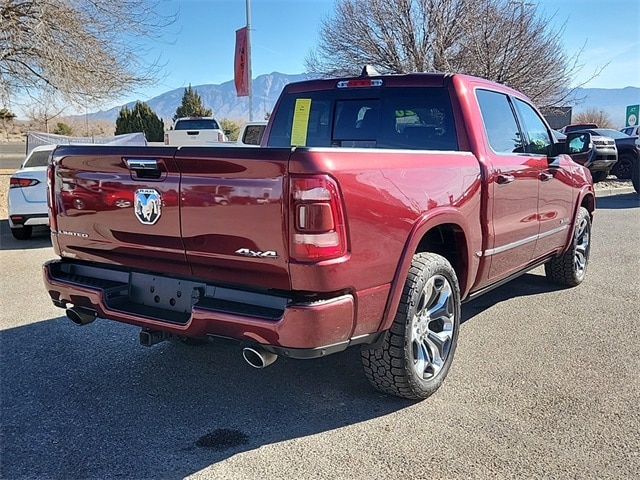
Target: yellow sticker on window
300 122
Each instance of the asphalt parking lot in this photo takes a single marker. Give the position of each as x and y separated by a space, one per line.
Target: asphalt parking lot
545 384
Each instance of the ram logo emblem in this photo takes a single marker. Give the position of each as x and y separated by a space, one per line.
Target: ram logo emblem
148 205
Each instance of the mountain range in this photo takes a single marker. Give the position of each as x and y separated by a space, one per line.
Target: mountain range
222 99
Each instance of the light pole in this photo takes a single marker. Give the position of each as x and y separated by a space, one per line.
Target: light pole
248 59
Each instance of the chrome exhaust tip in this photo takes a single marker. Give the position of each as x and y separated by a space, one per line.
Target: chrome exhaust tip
258 357
81 316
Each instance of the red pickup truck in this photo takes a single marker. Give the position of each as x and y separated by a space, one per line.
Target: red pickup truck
376 205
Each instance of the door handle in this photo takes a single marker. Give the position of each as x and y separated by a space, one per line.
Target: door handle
545 176
504 179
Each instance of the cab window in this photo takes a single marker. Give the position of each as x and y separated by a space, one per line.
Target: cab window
538 140
500 123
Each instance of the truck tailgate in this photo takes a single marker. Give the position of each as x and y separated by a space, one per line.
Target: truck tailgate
119 205
234 226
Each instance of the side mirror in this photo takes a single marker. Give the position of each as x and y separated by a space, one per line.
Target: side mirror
578 142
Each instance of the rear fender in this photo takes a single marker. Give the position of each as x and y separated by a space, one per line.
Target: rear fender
466 265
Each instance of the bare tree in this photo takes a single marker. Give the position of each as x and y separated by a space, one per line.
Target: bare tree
593 115
46 106
86 50
503 40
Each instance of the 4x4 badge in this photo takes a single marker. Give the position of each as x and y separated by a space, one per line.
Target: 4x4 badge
148 205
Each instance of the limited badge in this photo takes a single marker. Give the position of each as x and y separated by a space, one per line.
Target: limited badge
147 205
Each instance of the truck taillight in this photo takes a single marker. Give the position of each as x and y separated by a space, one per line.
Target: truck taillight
220 137
166 139
53 223
318 230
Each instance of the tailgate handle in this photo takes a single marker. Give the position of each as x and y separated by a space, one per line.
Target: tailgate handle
144 168
193 132
142 164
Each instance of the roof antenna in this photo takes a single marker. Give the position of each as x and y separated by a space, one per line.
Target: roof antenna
369 71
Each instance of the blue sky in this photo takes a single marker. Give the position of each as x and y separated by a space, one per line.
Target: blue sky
199 47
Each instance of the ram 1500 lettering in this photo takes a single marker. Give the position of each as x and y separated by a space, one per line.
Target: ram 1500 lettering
375 206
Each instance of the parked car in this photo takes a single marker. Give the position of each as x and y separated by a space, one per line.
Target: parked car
27 200
628 151
635 177
577 126
631 131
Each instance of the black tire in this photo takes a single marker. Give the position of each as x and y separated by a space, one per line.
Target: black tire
635 177
22 233
415 355
569 268
599 176
624 166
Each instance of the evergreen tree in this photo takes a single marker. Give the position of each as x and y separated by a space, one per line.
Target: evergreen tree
63 129
140 119
191 105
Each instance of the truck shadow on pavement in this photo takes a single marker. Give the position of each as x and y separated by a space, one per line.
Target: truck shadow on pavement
41 238
89 402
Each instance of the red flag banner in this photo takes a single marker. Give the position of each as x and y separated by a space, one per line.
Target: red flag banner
241 68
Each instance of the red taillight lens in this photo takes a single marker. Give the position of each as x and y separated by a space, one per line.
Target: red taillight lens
53 221
166 139
18 182
220 137
318 229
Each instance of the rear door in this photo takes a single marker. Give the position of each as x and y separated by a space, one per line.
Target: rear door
234 222
119 205
513 183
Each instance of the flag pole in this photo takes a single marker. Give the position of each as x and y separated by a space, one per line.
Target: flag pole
248 59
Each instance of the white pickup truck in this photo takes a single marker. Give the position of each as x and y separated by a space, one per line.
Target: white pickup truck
195 131
251 134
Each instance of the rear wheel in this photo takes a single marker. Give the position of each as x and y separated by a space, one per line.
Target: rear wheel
569 268
415 355
22 233
624 166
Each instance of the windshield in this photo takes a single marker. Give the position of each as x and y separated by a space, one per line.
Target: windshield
607 132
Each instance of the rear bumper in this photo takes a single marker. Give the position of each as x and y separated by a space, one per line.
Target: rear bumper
286 327
16 220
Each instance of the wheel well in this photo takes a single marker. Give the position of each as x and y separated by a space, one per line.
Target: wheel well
589 203
449 241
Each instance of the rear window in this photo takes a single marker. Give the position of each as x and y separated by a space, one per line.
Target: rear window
38 159
196 124
405 118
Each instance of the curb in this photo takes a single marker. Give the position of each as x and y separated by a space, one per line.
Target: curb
607 192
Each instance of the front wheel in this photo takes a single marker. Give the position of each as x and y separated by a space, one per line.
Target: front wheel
415 355
569 268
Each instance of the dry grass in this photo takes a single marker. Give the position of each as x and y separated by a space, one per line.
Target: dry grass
4 189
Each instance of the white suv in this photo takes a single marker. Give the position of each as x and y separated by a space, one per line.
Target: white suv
28 193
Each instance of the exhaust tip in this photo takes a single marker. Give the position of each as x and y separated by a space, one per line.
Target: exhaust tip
258 357
81 316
